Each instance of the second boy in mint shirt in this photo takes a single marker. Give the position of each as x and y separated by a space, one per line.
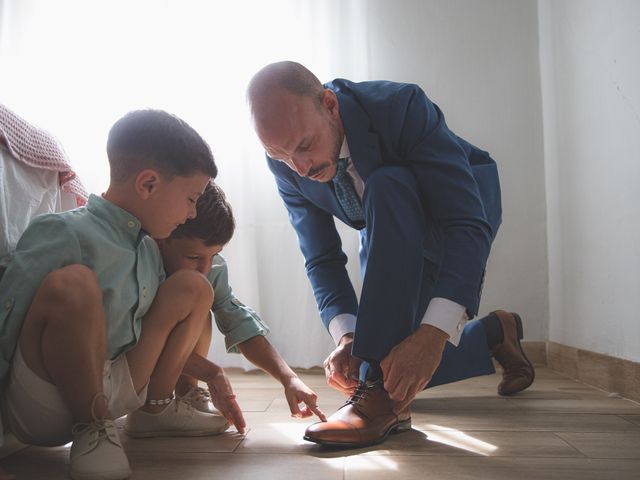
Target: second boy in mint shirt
196 245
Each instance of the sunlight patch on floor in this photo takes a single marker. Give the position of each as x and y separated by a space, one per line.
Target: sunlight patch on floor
458 439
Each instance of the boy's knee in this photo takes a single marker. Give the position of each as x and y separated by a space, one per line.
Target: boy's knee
71 287
191 285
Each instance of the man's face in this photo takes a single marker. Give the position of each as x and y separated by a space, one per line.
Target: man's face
187 254
298 131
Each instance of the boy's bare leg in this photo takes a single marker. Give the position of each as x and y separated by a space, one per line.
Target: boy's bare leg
170 331
187 382
63 339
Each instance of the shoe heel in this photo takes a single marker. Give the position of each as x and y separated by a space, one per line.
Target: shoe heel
518 326
402 426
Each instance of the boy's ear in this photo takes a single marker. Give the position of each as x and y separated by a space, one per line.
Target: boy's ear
146 183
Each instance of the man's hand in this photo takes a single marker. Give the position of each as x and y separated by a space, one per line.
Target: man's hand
224 400
341 368
410 364
296 392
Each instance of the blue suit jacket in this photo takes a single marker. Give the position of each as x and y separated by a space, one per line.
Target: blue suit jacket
389 123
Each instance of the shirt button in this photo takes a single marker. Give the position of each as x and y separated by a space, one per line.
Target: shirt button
8 304
144 292
131 224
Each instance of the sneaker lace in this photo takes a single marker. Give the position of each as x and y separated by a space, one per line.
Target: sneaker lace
197 394
181 402
99 428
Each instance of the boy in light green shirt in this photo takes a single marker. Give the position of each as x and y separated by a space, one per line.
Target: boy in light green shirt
89 327
196 245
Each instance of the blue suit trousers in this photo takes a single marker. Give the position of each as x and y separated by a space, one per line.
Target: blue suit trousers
399 264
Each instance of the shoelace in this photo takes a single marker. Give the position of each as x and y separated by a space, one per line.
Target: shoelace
362 390
178 401
199 394
99 428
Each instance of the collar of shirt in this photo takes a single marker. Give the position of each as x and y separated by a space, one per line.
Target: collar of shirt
128 225
344 149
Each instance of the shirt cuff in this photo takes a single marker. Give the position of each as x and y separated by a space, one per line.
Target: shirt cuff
448 316
340 325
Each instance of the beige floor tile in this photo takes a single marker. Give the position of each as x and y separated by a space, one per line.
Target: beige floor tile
490 468
605 445
460 443
457 404
635 419
35 463
527 422
585 405
461 431
235 467
277 437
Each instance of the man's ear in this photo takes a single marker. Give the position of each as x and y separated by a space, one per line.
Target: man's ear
330 102
146 183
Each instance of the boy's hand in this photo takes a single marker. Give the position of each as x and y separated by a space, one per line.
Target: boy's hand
224 400
296 392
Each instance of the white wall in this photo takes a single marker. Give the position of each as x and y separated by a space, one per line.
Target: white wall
590 62
479 62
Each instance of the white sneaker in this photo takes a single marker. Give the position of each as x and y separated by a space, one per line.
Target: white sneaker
96 453
178 419
200 399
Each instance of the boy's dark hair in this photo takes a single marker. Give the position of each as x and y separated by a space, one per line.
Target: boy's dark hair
214 223
160 141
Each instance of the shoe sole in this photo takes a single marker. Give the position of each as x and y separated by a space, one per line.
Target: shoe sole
119 475
520 331
173 433
399 427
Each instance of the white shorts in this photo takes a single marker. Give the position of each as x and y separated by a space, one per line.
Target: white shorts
37 415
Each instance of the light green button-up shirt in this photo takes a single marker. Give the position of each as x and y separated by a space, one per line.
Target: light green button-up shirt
104 238
236 321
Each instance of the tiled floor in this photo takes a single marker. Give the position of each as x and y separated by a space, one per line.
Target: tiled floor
558 429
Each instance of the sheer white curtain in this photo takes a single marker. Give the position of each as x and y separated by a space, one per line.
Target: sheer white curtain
74 67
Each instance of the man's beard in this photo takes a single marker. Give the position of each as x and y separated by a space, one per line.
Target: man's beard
333 160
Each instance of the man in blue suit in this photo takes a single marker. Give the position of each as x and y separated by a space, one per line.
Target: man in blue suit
379 157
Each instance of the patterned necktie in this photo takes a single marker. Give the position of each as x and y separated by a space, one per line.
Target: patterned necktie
346 194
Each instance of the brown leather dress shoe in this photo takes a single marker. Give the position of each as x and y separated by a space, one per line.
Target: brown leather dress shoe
365 419
518 372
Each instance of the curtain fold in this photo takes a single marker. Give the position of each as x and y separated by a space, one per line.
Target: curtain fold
74 67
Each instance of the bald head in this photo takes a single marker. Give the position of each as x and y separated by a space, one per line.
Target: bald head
290 77
296 119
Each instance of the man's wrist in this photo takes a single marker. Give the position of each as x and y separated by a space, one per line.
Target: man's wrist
346 338
429 330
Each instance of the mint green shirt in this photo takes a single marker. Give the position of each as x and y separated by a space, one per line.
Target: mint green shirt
104 238
236 321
